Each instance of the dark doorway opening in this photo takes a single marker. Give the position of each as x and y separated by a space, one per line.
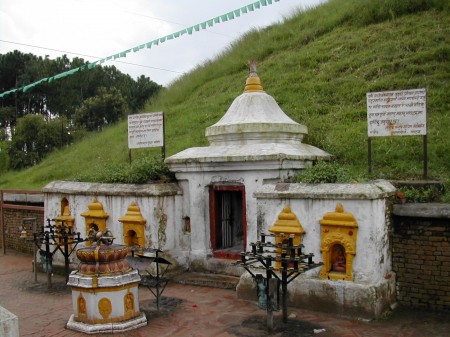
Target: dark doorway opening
228 221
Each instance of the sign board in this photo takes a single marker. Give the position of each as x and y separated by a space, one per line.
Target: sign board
146 130
397 113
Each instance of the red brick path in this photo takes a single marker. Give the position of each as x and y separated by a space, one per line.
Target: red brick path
192 311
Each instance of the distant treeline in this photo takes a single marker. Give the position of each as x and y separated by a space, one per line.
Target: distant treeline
52 115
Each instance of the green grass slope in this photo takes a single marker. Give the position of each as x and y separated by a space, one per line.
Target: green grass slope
318 65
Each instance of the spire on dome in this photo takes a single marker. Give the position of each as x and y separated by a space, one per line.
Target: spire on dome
253 82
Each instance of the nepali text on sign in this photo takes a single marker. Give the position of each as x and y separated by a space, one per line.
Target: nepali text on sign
397 113
146 130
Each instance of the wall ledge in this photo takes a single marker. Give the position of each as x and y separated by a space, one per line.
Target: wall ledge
84 188
377 189
422 210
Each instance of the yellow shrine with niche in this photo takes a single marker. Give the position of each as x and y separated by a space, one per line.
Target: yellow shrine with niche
286 225
133 227
65 218
338 244
95 217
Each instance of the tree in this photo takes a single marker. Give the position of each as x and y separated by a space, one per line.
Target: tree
4 156
108 107
32 139
144 88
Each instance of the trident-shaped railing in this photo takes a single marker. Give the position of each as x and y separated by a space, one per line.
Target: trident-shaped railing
282 263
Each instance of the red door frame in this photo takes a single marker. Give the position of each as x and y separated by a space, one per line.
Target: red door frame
212 217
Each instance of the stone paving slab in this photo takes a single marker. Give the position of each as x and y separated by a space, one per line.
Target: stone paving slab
195 311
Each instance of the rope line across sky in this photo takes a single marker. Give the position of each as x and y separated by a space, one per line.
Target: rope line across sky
156 42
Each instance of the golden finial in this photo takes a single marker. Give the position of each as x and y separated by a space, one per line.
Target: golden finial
253 83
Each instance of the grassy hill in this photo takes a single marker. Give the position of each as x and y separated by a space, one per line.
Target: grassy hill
318 65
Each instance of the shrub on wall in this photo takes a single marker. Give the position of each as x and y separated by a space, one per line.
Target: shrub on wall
324 172
141 171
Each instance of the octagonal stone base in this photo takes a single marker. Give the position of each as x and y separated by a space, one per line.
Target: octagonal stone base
119 327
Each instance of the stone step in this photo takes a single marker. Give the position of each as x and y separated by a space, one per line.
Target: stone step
207 280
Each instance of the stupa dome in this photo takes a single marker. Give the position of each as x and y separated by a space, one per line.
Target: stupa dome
255 117
254 129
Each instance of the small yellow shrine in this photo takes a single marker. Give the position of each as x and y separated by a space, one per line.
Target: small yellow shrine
133 226
95 217
338 244
286 225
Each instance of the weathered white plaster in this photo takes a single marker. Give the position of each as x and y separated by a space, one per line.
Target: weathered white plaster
76 280
253 144
373 288
310 202
160 204
255 118
9 323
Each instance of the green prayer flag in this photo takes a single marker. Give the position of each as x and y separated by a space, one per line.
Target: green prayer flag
58 76
203 25
28 87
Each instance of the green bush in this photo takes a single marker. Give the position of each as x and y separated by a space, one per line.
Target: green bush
4 157
417 194
141 171
324 172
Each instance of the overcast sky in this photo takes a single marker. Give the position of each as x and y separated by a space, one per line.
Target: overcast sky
94 29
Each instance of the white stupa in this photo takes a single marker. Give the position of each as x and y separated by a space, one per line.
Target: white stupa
253 144
253 130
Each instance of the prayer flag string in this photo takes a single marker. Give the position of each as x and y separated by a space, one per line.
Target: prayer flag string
189 30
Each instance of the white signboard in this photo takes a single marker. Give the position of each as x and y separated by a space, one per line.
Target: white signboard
145 130
397 113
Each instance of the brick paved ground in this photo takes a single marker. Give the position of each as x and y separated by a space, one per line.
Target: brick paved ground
192 311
